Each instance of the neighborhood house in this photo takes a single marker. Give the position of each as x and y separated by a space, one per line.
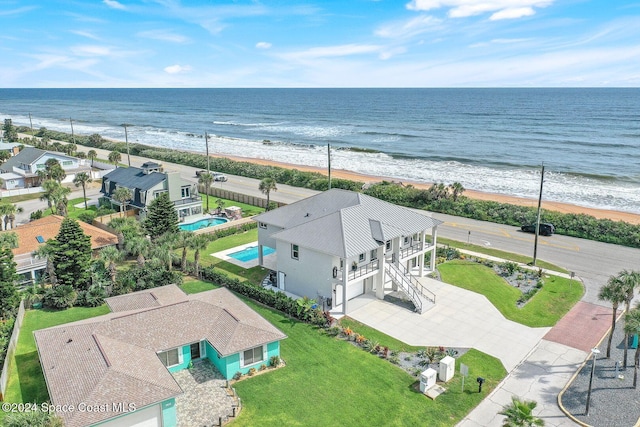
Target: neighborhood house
338 245
147 183
129 355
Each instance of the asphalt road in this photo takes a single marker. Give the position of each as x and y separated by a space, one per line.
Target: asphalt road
592 262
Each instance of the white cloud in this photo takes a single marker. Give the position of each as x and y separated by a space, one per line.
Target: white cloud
333 51
263 45
113 4
176 69
165 36
412 27
512 13
16 11
85 34
89 50
502 9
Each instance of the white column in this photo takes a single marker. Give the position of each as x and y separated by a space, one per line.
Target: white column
381 274
434 236
345 275
260 256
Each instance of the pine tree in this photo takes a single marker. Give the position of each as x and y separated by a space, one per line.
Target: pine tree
9 298
162 217
72 256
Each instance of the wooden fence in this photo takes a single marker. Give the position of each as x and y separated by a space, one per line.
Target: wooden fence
260 202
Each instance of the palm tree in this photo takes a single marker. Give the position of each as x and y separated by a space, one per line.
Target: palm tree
163 252
69 149
182 240
81 154
46 252
55 194
4 212
632 326
8 240
456 190
267 185
613 292
110 255
115 157
199 242
629 280
206 179
138 247
122 195
519 413
91 154
219 204
11 214
82 179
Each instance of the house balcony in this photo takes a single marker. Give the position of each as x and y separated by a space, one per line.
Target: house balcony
359 271
188 201
27 262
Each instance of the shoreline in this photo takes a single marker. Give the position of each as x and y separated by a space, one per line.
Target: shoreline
567 208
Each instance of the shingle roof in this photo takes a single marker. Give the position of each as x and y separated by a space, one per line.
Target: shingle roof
113 358
147 298
27 156
350 223
133 178
48 227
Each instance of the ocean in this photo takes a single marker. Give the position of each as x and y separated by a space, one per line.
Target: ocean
491 140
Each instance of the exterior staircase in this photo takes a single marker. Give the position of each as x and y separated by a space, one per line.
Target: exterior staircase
422 298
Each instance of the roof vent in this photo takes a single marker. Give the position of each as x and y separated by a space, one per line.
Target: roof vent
307 214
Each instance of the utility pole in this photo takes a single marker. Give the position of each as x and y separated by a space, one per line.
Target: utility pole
31 124
126 139
206 141
535 243
73 138
329 163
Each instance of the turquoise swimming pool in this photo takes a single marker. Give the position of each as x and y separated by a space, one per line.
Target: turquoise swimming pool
251 253
203 223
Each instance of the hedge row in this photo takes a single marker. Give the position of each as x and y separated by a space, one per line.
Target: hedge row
577 225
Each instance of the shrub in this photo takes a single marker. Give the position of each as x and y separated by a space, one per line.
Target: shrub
252 372
61 296
32 418
237 375
94 296
333 331
263 367
360 339
36 215
509 267
87 216
274 361
394 359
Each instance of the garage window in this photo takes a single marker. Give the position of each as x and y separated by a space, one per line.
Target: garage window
171 357
252 356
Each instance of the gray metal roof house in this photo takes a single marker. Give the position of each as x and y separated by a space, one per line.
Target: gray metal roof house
338 245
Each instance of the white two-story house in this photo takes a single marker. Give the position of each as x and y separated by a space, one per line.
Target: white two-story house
147 183
340 244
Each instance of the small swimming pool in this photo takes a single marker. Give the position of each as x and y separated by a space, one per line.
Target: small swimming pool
251 253
203 223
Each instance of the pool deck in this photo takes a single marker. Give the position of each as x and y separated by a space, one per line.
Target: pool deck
269 260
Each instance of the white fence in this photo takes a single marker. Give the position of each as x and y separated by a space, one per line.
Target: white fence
4 377
20 191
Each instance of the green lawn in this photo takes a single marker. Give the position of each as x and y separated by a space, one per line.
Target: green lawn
500 254
247 210
377 336
254 274
26 381
328 381
549 305
194 286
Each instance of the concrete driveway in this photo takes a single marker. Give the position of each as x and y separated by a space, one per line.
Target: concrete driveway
460 318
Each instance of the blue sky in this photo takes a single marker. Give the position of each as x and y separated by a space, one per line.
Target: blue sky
327 43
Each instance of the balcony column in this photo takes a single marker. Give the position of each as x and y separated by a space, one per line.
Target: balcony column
260 255
345 283
379 277
434 236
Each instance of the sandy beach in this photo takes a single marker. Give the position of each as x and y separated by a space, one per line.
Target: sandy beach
553 206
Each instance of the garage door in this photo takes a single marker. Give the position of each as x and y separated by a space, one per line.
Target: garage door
147 417
355 289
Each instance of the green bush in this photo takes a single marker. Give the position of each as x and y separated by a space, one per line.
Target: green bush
60 297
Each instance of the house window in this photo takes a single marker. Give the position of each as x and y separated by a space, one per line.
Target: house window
170 358
67 163
361 257
252 356
374 255
406 240
186 192
387 245
40 166
157 194
295 252
262 224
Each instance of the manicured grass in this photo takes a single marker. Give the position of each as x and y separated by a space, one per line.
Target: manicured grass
26 381
327 381
194 286
377 336
247 210
500 254
549 305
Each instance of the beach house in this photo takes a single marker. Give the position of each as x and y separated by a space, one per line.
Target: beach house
148 182
21 170
119 369
34 234
338 245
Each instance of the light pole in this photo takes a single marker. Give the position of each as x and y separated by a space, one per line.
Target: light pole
126 140
73 138
535 242
595 352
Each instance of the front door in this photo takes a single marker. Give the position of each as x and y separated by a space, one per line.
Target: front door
195 351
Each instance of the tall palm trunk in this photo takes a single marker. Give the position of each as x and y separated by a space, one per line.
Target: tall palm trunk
613 328
183 262
626 339
84 194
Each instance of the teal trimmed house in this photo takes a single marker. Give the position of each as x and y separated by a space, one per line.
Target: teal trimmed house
119 366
